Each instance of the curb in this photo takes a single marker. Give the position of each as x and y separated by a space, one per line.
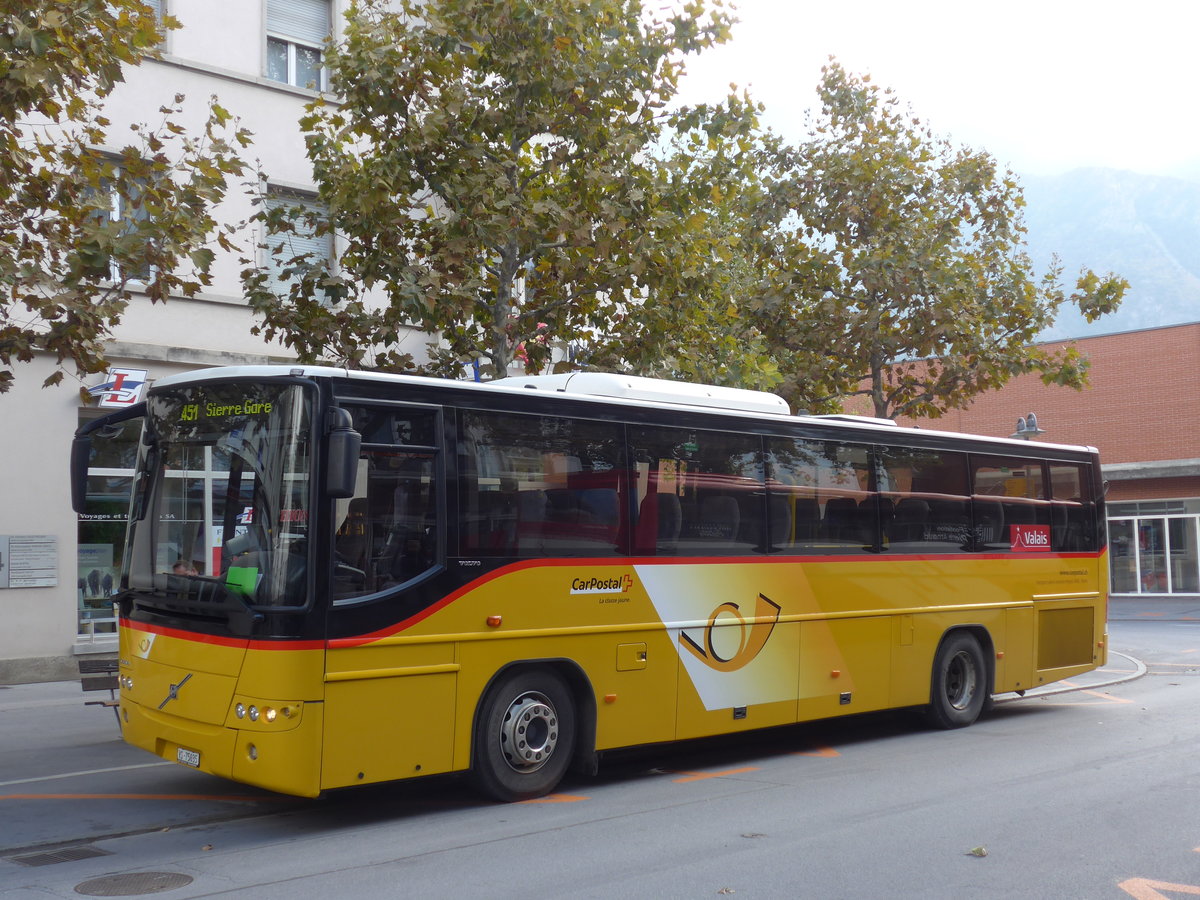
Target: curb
1139 671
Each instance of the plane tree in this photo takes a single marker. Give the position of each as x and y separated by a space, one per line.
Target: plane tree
82 231
492 175
918 292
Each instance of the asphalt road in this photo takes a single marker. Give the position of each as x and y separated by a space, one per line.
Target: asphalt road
1085 793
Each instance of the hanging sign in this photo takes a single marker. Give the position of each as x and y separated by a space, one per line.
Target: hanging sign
121 387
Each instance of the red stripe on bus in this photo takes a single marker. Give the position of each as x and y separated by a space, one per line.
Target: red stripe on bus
605 562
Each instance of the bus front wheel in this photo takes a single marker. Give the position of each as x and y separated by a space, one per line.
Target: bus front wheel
525 736
959 687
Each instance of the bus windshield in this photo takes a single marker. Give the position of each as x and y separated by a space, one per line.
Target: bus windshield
220 511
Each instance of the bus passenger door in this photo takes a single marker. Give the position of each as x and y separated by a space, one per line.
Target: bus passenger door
389 698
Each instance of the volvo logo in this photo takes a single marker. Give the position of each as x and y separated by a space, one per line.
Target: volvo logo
173 690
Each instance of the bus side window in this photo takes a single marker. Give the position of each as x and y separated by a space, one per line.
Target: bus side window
1073 525
699 493
825 487
388 533
1009 497
534 486
927 492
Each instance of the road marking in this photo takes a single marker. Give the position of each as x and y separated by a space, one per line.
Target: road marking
220 797
1146 889
1189 665
704 776
820 752
556 798
1109 697
85 772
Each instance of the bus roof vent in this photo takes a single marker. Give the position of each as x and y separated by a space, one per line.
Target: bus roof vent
655 390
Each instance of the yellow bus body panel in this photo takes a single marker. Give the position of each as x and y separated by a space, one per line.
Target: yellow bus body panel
664 649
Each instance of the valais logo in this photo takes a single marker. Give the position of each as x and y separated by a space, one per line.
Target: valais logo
1030 538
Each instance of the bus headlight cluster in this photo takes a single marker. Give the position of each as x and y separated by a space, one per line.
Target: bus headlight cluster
126 682
267 714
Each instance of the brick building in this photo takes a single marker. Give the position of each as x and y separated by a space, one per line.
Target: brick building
1142 410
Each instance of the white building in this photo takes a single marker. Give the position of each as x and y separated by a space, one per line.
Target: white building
55 570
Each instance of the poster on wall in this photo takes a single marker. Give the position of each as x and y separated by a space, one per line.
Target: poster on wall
97 574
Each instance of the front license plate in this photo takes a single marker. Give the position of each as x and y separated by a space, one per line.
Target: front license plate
188 757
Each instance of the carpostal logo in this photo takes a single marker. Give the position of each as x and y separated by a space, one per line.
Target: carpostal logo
619 584
1030 538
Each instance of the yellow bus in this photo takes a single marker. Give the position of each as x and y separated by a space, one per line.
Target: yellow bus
334 578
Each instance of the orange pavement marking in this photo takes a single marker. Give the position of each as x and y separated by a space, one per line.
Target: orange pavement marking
1180 665
221 797
557 798
1145 889
703 776
1109 697
821 752
1104 697
1150 615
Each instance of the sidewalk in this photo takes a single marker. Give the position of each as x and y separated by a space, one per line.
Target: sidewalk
1128 607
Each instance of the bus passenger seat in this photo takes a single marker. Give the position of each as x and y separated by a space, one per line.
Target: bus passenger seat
602 505
912 515
779 521
808 519
841 519
719 518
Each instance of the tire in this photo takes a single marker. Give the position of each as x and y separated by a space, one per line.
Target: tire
959 687
524 736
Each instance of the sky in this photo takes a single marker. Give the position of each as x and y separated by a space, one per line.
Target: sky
1045 87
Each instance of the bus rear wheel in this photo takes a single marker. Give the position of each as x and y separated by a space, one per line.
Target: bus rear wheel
959 686
525 736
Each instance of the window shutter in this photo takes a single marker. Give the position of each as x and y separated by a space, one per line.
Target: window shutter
305 21
298 243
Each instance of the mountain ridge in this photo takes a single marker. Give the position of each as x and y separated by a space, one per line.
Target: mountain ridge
1145 228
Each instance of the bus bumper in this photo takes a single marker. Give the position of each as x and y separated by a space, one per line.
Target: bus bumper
287 762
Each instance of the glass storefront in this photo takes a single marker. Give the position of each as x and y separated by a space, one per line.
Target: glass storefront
101 529
1153 546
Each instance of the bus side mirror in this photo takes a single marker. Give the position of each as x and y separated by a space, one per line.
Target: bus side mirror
341 469
81 455
81 448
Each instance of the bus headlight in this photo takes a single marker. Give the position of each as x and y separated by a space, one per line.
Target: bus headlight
265 715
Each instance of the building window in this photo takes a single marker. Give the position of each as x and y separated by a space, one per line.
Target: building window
296 35
123 205
292 254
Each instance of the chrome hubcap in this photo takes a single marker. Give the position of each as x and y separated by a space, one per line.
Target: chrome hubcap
960 680
529 733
